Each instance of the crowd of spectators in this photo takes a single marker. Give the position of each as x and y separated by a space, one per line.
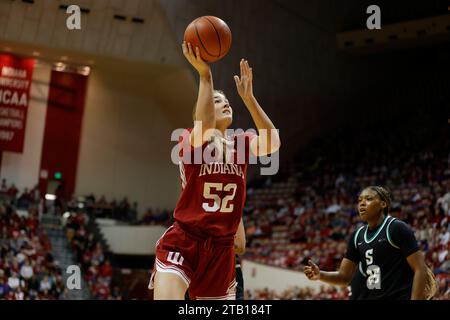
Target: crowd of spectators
100 207
297 293
28 270
156 217
95 265
123 211
317 217
21 200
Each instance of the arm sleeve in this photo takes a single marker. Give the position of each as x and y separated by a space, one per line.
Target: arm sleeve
403 237
352 252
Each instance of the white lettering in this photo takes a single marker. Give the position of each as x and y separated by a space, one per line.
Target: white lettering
12 113
6 135
12 98
374 20
73 22
190 310
238 149
12 72
11 123
74 281
14 83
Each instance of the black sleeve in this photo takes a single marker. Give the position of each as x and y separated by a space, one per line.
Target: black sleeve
403 237
352 252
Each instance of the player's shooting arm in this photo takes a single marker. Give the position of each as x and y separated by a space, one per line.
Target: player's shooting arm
417 263
239 240
268 140
204 111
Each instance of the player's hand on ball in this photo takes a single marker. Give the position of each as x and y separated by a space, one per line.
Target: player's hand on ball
312 271
244 84
195 59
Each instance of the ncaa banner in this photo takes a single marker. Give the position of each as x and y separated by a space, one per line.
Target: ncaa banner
15 83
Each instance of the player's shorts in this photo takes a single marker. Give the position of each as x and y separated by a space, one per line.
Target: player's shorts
206 265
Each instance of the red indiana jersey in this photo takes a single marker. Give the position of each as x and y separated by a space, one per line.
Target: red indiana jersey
214 189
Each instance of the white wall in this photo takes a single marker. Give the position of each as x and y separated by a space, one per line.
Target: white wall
23 169
259 276
125 140
132 240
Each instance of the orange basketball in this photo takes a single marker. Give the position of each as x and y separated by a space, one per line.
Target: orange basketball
211 35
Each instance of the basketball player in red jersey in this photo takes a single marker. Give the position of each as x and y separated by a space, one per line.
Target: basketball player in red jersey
197 251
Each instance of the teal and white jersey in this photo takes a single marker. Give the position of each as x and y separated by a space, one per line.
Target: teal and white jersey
380 254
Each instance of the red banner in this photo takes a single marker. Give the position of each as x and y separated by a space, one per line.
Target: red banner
15 83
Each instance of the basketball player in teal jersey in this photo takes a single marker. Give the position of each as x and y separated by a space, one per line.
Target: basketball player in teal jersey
392 267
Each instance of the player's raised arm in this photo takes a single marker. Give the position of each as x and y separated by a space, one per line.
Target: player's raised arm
204 112
268 140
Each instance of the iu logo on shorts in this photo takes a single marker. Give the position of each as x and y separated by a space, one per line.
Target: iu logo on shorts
175 258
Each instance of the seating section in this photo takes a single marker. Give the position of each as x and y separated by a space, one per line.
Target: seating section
27 268
309 210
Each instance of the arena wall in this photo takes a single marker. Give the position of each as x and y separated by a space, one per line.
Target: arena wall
23 169
125 143
131 240
260 276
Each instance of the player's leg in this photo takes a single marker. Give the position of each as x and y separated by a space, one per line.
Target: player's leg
215 277
239 283
172 272
169 286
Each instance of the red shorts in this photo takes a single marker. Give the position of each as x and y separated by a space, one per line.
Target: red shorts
207 266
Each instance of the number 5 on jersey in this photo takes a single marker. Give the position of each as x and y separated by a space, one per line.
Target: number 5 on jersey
369 258
220 205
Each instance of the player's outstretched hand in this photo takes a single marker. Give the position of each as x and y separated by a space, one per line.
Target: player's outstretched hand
312 271
195 58
244 83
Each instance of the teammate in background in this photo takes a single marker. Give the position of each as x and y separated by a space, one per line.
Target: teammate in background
197 251
386 248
